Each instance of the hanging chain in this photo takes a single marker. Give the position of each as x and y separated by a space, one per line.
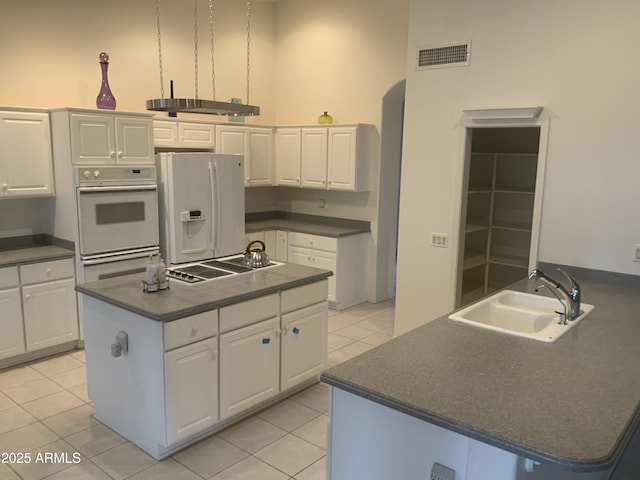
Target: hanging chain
248 47
213 68
160 49
195 44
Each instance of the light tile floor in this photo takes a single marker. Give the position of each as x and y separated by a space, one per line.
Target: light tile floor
45 410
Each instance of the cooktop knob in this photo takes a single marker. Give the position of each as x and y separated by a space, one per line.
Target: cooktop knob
96 173
86 174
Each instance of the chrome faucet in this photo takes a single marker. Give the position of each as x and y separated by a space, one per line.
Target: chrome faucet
569 299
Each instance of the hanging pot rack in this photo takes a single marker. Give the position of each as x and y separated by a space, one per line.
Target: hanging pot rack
198 105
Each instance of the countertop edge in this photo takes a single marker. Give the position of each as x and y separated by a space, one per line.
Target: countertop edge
573 464
305 223
26 256
205 306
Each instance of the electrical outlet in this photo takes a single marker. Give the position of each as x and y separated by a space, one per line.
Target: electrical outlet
636 257
440 472
439 240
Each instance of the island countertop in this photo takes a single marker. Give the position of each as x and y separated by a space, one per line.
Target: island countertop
574 403
182 300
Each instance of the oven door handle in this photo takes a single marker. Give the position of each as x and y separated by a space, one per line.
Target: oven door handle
112 258
118 188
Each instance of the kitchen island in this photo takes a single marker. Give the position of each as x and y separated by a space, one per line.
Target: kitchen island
492 405
168 368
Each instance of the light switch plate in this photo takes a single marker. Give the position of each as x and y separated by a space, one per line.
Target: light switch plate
439 240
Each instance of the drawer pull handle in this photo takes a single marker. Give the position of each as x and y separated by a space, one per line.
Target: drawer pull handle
49 270
296 330
194 331
266 341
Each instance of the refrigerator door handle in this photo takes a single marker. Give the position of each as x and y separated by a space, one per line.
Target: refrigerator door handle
215 187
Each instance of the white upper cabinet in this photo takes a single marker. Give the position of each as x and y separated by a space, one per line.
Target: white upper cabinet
288 156
168 133
26 162
255 144
103 138
313 167
333 158
346 169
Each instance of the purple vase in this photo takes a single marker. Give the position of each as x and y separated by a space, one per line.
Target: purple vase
105 99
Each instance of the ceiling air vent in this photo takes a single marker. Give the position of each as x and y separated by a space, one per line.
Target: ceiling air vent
448 55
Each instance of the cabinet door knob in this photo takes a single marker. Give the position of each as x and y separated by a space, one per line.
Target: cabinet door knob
27 296
112 154
295 330
120 154
5 186
49 271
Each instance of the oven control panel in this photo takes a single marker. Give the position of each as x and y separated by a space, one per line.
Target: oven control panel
115 175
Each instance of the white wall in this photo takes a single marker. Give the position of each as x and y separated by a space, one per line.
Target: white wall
339 56
50 50
578 59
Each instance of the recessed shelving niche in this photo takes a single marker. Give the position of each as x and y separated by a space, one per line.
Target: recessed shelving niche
497 217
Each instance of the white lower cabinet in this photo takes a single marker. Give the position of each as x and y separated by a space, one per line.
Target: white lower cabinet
38 308
303 345
344 256
316 258
249 361
12 338
50 314
276 244
191 389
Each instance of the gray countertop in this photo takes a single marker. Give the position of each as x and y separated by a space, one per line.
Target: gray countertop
311 224
32 254
573 403
181 300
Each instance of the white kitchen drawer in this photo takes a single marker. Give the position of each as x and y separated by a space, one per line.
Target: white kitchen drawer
190 329
329 244
300 297
251 311
8 277
47 271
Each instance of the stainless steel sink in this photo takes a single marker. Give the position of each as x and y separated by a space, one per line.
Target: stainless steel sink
521 314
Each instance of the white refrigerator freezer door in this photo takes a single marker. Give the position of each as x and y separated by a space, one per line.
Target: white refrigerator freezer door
188 190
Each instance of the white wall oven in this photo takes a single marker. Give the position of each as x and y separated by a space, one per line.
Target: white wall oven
117 219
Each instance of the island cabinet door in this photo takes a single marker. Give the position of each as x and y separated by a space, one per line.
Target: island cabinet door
249 366
304 345
191 389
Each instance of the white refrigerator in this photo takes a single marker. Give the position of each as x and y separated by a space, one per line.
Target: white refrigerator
201 205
